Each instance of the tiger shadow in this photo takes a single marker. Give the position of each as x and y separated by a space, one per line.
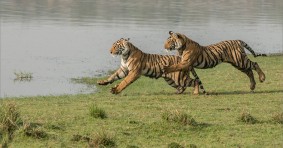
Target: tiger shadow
245 92
162 93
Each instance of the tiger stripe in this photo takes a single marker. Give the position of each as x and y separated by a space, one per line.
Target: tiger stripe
203 57
135 63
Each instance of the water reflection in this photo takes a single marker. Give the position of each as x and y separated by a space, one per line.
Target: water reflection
57 40
146 12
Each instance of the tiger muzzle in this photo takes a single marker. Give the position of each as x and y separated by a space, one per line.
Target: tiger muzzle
169 47
172 47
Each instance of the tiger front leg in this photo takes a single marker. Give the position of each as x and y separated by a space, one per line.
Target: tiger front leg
119 74
126 82
103 82
114 90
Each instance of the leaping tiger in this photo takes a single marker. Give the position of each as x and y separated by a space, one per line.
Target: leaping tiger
230 51
135 63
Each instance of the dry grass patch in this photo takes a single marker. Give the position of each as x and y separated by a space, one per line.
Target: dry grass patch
179 117
278 118
247 118
102 139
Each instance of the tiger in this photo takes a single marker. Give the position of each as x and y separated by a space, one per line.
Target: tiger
197 56
135 63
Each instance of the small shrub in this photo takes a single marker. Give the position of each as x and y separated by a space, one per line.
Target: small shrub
97 112
78 137
248 118
278 118
174 145
178 117
34 131
9 119
102 139
55 127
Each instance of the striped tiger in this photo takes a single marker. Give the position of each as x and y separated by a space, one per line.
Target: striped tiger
135 63
230 51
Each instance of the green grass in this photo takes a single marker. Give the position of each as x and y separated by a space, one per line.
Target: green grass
174 145
247 118
97 112
102 139
9 120
135 117
179 117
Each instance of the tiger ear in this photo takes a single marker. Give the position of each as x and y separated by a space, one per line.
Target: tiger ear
127 39
171 32
175 35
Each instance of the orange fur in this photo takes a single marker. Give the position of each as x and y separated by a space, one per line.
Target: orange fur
135 63
195 55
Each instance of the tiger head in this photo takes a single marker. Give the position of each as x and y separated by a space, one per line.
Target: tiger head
120 47
174 42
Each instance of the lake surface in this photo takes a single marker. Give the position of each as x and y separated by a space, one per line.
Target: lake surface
57 40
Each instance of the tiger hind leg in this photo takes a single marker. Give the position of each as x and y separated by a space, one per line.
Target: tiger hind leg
250 74
171 82
199 81
254 66
245 65
193 83
259 71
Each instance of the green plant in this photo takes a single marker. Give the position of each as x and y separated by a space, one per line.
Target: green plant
97 112
179 117
174 145
78 137
9 119
278 118
102 139
247 118
34 131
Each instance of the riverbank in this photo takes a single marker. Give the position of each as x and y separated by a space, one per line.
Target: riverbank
149 114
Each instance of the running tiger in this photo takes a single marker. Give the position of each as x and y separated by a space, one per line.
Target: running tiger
135 63
230 51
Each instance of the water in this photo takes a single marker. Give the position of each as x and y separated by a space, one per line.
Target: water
58 40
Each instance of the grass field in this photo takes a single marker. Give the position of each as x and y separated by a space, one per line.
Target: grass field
149 114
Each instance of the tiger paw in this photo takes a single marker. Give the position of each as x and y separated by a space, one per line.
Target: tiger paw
114 90
102 82
180 90
252 86
262 77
